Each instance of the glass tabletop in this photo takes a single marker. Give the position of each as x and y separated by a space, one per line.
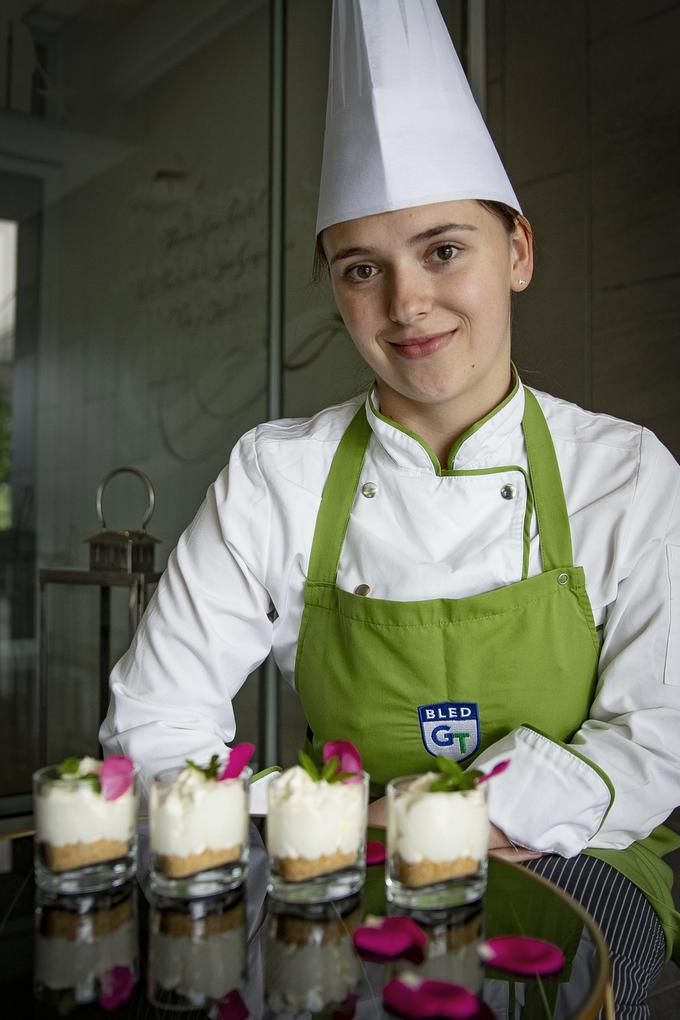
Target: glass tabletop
126 953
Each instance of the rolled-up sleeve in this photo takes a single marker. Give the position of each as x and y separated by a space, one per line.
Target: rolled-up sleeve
619 775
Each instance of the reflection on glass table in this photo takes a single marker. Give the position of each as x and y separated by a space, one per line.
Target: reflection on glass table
310 961
85 949
128 953
197 950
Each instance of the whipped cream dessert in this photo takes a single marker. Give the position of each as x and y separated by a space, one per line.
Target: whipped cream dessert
314 828
76 826
310 966
197 823
74 951
437 836
198 958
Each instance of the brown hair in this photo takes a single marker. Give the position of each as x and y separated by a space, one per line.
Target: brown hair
320 267
505 213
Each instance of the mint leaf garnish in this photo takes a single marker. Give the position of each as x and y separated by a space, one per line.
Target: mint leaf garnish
309 766
453 778
329 772
68 769
340 777
93 780
69 766
209 771
330 768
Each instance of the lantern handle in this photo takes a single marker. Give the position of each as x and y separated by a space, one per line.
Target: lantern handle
131 471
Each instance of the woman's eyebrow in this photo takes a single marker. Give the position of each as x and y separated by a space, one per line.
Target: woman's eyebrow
348 253
443 229
425 235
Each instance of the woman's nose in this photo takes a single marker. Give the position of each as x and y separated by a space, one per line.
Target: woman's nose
409 298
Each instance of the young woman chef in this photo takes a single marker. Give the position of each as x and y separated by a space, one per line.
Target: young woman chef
453 564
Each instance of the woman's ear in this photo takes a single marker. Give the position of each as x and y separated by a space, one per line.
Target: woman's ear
522 255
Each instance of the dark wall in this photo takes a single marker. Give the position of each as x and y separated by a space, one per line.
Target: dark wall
584 104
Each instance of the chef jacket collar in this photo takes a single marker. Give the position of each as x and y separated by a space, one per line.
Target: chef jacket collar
478 448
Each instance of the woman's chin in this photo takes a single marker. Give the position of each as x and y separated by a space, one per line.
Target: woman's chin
428 392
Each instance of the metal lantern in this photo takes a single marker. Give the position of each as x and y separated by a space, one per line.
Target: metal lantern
118 559
129 551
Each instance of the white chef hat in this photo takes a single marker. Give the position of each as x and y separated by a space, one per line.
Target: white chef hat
402 126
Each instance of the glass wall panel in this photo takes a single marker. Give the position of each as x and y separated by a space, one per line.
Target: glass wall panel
144 130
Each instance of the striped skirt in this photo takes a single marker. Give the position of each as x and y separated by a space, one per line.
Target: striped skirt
628 923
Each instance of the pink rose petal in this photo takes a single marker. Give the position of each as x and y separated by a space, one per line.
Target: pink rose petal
389 937
495 771
116 987
232 1007
520 954
116 776
239 756
410 997
347 754
375 852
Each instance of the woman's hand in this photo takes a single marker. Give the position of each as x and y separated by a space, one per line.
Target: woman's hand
377 813
500 846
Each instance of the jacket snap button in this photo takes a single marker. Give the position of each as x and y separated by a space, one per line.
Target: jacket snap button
563 579
508 492
369 489
362 589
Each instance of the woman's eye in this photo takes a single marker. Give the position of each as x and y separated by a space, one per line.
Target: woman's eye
360 273
445 252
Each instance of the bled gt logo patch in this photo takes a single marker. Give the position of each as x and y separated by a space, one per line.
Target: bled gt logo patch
450 728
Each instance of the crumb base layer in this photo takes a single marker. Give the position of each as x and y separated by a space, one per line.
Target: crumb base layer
297 869
72 856
182 867
428 872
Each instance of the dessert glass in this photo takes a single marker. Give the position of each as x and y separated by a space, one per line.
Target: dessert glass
437 844
198 833
316 837
197 950
83 842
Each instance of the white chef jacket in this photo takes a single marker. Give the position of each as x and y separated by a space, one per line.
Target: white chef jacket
233 590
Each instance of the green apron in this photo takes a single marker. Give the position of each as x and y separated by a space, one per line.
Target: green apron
393 677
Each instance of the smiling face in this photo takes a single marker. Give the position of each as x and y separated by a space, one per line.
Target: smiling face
425 296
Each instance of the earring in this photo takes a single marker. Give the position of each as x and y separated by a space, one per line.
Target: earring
522 282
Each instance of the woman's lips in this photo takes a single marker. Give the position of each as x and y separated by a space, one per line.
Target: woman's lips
421 348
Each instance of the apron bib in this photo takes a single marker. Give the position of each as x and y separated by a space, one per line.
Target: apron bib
405 681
